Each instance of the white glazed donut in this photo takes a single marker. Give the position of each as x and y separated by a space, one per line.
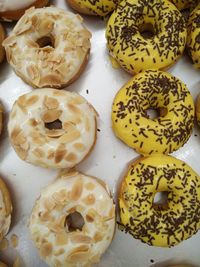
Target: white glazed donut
5 209
14 9
59 238
52 128
48 47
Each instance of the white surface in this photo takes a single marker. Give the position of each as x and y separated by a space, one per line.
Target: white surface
107 161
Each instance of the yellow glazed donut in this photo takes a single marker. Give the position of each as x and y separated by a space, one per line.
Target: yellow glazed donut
52 128
163 92
160 225
193 40
5 209
184 4
136 53
49 47
198 109
94 7
73 221
1 118
14 9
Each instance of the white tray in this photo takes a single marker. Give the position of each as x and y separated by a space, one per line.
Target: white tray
99 84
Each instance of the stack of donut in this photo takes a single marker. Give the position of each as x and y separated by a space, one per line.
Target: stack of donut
73 220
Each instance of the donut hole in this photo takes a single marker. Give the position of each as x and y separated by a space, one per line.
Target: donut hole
46 41
147 30
74 221
154 113
160 201
54 125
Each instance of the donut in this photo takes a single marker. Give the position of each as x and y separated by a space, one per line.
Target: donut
52 128
94 7
13 9
184 4
164 224
5 209
167 95
193 39
198 109
48 47
73 221
127 39
1 118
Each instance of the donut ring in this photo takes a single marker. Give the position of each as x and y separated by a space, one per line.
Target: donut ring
5 209
13 9
193 40
1 118
49 47
158 225
184 4
61 243
158 90
52 128
2 37
136 53
94 7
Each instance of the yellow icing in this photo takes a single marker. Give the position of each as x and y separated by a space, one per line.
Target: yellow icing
153 90
198 109
97 7
193 40
154 225
135 52
114 63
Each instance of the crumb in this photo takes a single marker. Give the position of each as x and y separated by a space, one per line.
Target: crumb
98 130
152 261
4 244
16 262
14 240
114 157
195 135
87 91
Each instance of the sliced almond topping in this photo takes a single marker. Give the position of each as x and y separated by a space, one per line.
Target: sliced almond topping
45 27
51 103
51 115
78 100
79 254
77 189
31 43
38 152
71 157
10 41
69 136
45 216
14 240
33 72
85 33
49 204
98 237
46 250
23 26
89 200
55 132
74 109
61 196
78 238
52 80
79 147
21 152
32 100
4 244
60 153
61 239
59 252
90 186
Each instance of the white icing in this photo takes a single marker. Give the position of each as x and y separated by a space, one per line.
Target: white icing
11 5
104 223
63 62
83 121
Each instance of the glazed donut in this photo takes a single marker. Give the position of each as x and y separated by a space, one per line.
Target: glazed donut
131 49
1 118
163 92
156 224
184 4
52 128
49 47
193 40
13 9
95 7
5 209
61 240
198 109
